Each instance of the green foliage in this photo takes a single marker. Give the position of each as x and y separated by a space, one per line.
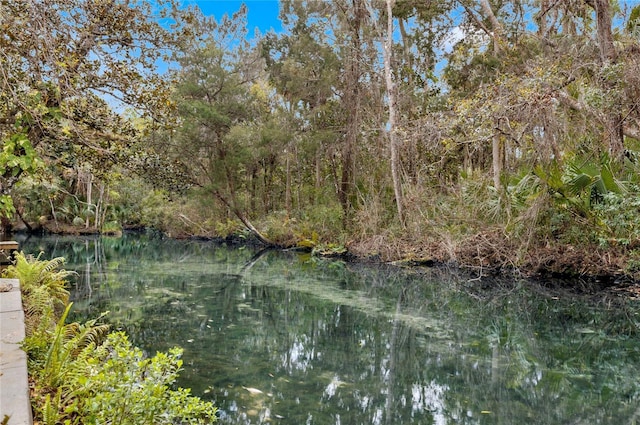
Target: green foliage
173 215
17 155
122 385
155 213
7 209
227 228
591 181
83 375
618 213
507 203
581 184
633 23
323 219
279 227
111 228
44 293
69 349
57 76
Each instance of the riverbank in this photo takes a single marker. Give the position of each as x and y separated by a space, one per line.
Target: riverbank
488 253
491 253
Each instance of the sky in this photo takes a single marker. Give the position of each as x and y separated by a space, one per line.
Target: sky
262 14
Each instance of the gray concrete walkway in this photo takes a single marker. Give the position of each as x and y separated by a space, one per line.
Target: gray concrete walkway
15 407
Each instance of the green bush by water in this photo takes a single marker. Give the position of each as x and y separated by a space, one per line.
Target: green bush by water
85 375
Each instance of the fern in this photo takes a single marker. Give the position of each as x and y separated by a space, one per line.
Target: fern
51 409
51 265
43 287
68 342
34 272
84 374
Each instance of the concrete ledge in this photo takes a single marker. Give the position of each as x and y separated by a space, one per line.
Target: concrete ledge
14 381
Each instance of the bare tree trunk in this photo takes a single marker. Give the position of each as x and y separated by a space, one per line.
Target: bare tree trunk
287 191
352 104
393 130
496 27
540 18
613 129
467 161
300 179
98 213
254 189
496 161
318 175
89 186
603 27
497 35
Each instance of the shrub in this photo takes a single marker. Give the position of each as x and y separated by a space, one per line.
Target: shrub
82 374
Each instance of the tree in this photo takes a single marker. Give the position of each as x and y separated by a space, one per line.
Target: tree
392 99
217 109
353 18
304 69
614 132
62 61
325 71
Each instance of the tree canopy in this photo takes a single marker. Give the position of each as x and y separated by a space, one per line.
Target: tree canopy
66 67
475 131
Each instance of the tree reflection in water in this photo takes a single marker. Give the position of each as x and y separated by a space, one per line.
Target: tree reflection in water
286 338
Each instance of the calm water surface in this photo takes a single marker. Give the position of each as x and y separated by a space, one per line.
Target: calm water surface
282 338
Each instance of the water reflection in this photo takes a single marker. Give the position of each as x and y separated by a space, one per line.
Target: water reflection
284 338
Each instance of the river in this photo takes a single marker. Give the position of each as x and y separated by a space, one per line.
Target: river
285 338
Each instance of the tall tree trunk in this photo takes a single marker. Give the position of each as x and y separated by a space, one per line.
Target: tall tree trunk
613 128
497 34
393 126
603 27
541 19
318 176
352 105
89 187
287 191
496 26
496 161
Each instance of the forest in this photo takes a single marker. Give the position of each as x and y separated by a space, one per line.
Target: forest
500 136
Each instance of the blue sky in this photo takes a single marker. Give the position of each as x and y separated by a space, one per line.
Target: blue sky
262 14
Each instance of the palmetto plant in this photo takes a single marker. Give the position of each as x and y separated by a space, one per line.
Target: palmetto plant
591 180
581 183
